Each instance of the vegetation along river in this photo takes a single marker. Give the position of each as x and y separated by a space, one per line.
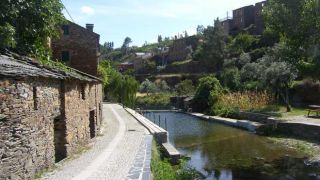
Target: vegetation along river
225 153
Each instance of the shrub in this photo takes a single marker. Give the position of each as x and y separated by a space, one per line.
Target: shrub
231 78
148 87
185 88
205 87
246 101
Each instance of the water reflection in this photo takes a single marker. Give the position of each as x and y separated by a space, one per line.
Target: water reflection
225 153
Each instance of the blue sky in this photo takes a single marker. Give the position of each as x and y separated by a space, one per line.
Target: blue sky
144 20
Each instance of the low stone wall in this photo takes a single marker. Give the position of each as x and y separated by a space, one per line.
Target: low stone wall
256 117
299 130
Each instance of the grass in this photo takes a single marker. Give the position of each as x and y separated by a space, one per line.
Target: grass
161 169
281 111
178 63
306 148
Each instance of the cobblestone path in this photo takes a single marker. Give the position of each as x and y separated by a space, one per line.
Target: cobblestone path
122 152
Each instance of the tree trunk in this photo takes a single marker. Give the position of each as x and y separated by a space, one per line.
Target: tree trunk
287 100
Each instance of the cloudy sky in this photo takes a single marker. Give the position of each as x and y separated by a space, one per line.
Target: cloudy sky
144 20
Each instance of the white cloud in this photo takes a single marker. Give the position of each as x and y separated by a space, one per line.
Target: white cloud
87 10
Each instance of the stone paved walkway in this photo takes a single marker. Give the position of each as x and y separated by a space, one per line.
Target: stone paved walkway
304 120
123 152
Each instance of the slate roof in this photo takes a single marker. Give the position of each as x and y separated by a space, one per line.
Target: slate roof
14 65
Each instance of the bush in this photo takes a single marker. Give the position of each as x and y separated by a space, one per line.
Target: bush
185 88
148 87
231 78
206 86
246 101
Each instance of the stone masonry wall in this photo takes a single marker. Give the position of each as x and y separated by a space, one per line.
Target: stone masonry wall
82 46
26 132
28 109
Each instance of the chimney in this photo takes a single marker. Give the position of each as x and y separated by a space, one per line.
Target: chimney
90 27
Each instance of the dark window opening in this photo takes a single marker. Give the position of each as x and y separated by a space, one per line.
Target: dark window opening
35 98
60 139
83 92
65 56
65 29
92 124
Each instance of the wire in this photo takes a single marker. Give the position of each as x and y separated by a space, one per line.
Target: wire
68 13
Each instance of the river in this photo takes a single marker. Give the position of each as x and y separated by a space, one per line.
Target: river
225 153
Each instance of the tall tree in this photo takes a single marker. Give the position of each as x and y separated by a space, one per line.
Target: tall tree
126 44
159 39
26 25
212 51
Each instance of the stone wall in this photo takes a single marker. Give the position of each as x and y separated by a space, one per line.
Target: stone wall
26 143
29 111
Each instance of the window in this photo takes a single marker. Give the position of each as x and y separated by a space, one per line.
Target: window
35 98
83 92
65 56
65 29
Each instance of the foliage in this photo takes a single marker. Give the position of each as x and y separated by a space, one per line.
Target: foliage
104 69
185 88
245 101
154 101
148 87
297 23
212 51
250 72
243 42
162 169
163 86
26 25
121 88
205 87
231 78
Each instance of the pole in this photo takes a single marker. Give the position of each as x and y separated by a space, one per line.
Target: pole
159 121
165 121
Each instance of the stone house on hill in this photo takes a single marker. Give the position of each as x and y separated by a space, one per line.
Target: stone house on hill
246 18
78 47
46 114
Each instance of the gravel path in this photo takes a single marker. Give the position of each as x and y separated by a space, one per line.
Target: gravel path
123 152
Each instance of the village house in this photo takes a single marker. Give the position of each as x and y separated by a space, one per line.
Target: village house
248 17
46 114
78 47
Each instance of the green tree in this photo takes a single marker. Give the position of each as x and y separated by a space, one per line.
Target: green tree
26 25
277 73
148 87
126 45
231 78
212 51
297 23
159 39
243 42
185 88
206 85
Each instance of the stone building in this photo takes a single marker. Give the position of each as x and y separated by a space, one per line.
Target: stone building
46 114
248 17
78 47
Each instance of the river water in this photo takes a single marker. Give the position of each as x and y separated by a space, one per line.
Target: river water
225 153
